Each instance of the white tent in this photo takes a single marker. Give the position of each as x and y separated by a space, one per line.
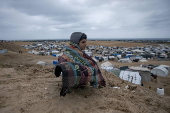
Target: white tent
143 60
119 56
89 53
110 57
132 77
138 51
165 66
95 59
145 73
107 66
125 60
33 52
105 58
54 51
160 71
139 68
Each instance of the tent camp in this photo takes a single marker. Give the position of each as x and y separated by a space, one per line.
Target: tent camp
132 77
160 71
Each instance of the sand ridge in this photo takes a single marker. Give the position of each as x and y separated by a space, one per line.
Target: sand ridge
28 88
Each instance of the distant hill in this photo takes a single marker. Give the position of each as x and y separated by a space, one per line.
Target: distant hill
12 46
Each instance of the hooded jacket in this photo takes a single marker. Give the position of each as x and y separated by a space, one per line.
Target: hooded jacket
76 37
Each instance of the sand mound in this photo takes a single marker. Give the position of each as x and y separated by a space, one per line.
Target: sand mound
34 88
29 88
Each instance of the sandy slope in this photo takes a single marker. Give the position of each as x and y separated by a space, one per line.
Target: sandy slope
29 88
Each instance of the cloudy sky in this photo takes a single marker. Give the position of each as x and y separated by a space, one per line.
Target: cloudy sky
57 19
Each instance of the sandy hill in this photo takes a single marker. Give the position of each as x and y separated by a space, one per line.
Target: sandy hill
13 46
29 88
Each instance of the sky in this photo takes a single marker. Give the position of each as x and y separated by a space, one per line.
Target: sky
102 19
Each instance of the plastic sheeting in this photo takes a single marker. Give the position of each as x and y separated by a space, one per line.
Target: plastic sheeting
160 71
106 64
107 68
139 68
132 77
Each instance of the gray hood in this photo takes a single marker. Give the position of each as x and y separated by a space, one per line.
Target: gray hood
75 37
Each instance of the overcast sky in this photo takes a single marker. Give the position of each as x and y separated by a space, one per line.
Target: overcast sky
57 19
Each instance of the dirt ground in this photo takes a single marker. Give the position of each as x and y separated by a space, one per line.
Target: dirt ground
29 88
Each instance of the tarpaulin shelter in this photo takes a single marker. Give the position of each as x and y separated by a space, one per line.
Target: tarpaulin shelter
145 73
160 71
130 76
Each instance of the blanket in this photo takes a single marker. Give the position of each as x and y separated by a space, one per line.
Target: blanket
77 70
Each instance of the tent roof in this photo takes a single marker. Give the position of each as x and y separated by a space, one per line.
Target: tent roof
106 64
139 68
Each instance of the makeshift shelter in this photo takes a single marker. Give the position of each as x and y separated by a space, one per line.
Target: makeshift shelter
125 60
54 52
105 58
97 57
147 56
143 60
163 55
124 68
119 56
116 72
107 66
160 71
111 57
132 77
89 53
145 73
33 52
138 51
95 60
165 66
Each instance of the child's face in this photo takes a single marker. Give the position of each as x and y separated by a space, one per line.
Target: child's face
82 44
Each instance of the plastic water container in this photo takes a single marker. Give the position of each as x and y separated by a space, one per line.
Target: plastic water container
55 62
160 91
